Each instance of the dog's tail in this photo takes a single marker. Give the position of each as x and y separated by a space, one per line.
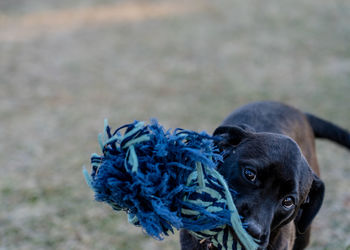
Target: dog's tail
328 130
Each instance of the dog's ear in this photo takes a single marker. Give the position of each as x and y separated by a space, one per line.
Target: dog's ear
231 135
313 203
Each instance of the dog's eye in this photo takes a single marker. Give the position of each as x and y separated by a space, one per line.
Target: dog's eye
288 202
249 174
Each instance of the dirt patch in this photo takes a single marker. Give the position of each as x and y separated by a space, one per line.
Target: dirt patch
33 25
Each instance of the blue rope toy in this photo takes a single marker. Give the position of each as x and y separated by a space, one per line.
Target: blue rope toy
166 180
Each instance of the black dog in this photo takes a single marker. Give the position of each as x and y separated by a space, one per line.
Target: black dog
270 160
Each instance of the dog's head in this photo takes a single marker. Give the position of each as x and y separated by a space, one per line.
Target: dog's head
273 181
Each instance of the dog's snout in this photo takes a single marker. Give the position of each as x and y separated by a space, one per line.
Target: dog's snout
256 231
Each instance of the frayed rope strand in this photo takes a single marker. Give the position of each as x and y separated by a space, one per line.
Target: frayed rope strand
165 179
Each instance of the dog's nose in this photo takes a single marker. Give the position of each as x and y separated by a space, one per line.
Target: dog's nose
255 230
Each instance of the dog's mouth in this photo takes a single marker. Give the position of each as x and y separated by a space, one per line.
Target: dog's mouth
210 245
262 244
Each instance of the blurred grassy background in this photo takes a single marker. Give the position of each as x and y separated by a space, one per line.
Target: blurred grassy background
67 65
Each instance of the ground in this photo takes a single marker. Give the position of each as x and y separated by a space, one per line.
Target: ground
67 65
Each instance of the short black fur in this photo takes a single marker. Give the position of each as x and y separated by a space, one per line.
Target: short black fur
270 161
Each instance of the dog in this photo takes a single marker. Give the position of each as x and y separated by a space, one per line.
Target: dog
270 160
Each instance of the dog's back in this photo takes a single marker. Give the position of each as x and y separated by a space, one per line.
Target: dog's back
275 117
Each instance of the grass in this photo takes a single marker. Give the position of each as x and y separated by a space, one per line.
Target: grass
188 63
